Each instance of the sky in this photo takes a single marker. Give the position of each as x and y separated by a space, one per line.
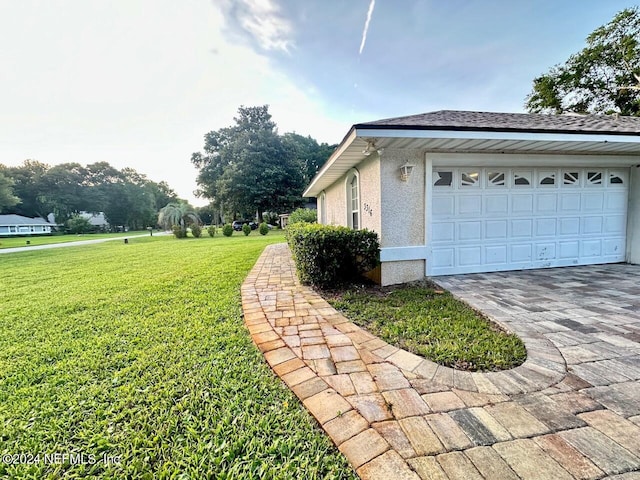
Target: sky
138 83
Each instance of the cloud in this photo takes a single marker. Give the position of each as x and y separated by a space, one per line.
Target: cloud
262 20
366 25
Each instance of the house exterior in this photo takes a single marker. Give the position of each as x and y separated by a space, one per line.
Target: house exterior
454 192
18 225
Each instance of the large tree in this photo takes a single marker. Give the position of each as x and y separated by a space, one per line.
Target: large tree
7 198
604 77
248 167
309 152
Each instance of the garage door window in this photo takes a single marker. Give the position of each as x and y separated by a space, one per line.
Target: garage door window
469 179
594 178
496 179
616 178
442 178
547 179
571 178
522 179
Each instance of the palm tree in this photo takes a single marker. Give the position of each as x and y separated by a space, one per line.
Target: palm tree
180 214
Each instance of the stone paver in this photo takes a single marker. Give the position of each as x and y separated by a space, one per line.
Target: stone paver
571 411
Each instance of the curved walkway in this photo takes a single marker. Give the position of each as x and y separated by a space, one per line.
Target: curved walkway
572 410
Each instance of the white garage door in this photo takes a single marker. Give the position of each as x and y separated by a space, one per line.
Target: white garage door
493 219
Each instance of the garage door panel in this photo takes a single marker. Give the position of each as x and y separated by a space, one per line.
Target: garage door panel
496 204
521 253
444 232
470 256
521 228
547 203
496 255
469 231
557 218
593 202
469 205
522 204
569 226
546 227
496 229
592 225
569 202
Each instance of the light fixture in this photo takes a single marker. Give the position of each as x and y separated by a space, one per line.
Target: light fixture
405 171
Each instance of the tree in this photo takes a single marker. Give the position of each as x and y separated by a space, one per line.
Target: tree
604 77
7 198
28 185
309 153
78 224
180 214
248 167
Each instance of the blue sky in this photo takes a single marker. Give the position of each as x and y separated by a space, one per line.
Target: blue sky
138 83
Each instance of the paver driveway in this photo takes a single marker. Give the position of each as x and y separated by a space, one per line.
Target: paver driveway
572 410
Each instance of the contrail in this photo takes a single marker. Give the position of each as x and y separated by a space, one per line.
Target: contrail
366 25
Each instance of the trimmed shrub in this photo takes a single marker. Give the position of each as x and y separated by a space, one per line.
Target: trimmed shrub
196 230
271 218
246 229
227 230
329 256
303 215
263 228
178 231
211 230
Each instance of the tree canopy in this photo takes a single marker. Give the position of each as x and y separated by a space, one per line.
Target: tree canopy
249 167
7 198
126 197
604 77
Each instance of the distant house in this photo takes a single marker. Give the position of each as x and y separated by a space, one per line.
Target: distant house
18 225
97 220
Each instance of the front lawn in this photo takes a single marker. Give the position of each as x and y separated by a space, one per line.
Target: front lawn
12 242
425 320
132 361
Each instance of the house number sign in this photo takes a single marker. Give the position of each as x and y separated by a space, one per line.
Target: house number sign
368 209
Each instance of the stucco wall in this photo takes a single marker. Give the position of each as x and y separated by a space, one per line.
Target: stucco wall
633 217
402 202
370 212
402 272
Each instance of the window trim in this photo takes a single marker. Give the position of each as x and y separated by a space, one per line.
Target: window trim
352 176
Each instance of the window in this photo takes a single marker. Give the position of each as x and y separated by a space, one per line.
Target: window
522 178
547 178
442 179
616 178
496 179
353 200
571 178
469 179
594 178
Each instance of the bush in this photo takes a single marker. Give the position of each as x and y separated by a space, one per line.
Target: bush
196 230
246 229
329 256
211 230
271 218
303 215
263 228
227 230
178 231
78 224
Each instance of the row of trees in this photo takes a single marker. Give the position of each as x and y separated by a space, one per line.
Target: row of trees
249 168
126 197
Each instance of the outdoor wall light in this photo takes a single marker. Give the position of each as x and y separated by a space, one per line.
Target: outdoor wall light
405 171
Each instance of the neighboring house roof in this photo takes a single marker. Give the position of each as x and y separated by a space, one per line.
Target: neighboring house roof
95 219
13 219
483 132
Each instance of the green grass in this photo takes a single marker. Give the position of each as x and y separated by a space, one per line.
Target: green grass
139 352
430 322
11 242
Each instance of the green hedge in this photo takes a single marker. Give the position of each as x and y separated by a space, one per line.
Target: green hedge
328 256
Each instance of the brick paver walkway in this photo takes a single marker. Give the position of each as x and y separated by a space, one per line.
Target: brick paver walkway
572 410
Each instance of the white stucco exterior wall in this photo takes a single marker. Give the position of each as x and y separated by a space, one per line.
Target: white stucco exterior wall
403 210
633 217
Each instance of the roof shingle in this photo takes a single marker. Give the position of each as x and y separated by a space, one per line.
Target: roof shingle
510 122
